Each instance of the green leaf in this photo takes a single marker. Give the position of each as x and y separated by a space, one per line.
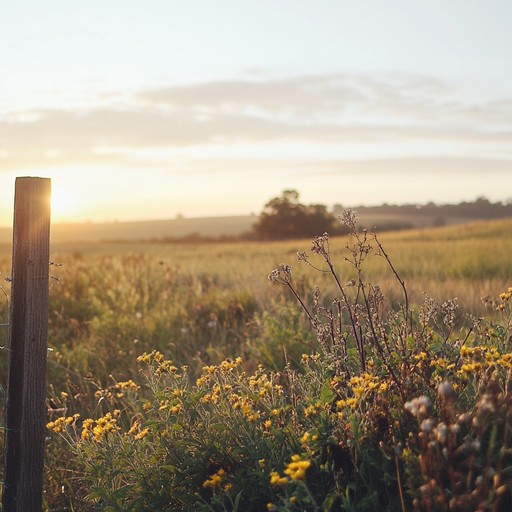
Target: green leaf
327 395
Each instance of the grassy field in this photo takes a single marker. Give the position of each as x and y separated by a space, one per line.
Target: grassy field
208 226
201 304
103 287
468 261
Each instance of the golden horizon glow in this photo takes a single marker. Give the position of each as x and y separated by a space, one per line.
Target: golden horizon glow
63 203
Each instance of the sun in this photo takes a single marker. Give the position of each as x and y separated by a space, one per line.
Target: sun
63 204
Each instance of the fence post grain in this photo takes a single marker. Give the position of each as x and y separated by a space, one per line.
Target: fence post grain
28 341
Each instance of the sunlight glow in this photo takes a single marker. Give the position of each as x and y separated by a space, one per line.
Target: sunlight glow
63 203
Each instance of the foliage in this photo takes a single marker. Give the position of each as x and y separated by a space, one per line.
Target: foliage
392 408
285 217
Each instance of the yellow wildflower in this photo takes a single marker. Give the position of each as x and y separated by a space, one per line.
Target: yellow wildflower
142 434
215 480
297 468
277 480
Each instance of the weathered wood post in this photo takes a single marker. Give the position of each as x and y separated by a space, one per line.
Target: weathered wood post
28 341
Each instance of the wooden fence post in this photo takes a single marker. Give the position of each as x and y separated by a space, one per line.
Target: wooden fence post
28 342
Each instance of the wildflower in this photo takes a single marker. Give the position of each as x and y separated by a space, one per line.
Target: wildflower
58 425
276 480
87 424
227 366
282 274
201 381
71 419
215 480
321 245
144 358
421 356
305 438
296 469
351 402
98 432
142 434
166 366
418 406
427 425
445 390
302 256
129 384
441 432
134 428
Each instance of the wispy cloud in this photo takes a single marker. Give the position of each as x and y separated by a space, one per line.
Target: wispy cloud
330 110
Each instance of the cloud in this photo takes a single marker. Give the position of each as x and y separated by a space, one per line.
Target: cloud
435 166
339 109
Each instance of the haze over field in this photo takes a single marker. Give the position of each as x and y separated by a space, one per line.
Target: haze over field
148 110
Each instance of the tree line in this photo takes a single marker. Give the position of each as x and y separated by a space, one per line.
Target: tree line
286 217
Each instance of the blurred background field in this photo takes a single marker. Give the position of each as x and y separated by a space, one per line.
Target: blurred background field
208 301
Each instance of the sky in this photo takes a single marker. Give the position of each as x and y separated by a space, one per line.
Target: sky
146 110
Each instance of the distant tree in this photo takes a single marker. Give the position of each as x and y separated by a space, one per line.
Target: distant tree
285 217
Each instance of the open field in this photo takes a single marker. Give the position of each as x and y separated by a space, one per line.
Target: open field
200 304
466 261
207 226
95 232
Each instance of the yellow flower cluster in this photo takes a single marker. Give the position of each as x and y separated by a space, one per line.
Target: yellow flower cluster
442 363
363 384
261 383
422 356
506 296
137 432
314 409
276 480
166 366
162 365
306 358
126 385
349 402
307 437
153 356
478 358
98 429
142 434
225 367
245 405
215 480
297 468
61 423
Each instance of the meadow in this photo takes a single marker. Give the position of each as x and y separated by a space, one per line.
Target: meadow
181 378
